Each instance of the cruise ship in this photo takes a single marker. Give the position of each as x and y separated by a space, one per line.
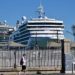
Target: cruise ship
5 31
40 30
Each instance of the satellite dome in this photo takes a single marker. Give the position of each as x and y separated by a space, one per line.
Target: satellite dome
46 17
24 18
5 21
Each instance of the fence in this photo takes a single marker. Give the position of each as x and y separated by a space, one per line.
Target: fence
50 58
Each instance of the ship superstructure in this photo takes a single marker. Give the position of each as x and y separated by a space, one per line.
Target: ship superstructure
38 30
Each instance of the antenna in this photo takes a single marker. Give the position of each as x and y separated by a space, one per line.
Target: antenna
40 2
41 10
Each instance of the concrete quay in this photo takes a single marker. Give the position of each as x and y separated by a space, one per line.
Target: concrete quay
30 73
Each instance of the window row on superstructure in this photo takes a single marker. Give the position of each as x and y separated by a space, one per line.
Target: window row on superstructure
44 23
45 26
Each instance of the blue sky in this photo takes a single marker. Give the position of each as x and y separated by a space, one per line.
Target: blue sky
12 10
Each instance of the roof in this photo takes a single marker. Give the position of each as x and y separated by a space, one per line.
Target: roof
13 44
53 44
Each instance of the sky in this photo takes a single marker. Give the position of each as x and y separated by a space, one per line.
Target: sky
13 10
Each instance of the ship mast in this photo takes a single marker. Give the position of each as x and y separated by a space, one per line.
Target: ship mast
41 11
